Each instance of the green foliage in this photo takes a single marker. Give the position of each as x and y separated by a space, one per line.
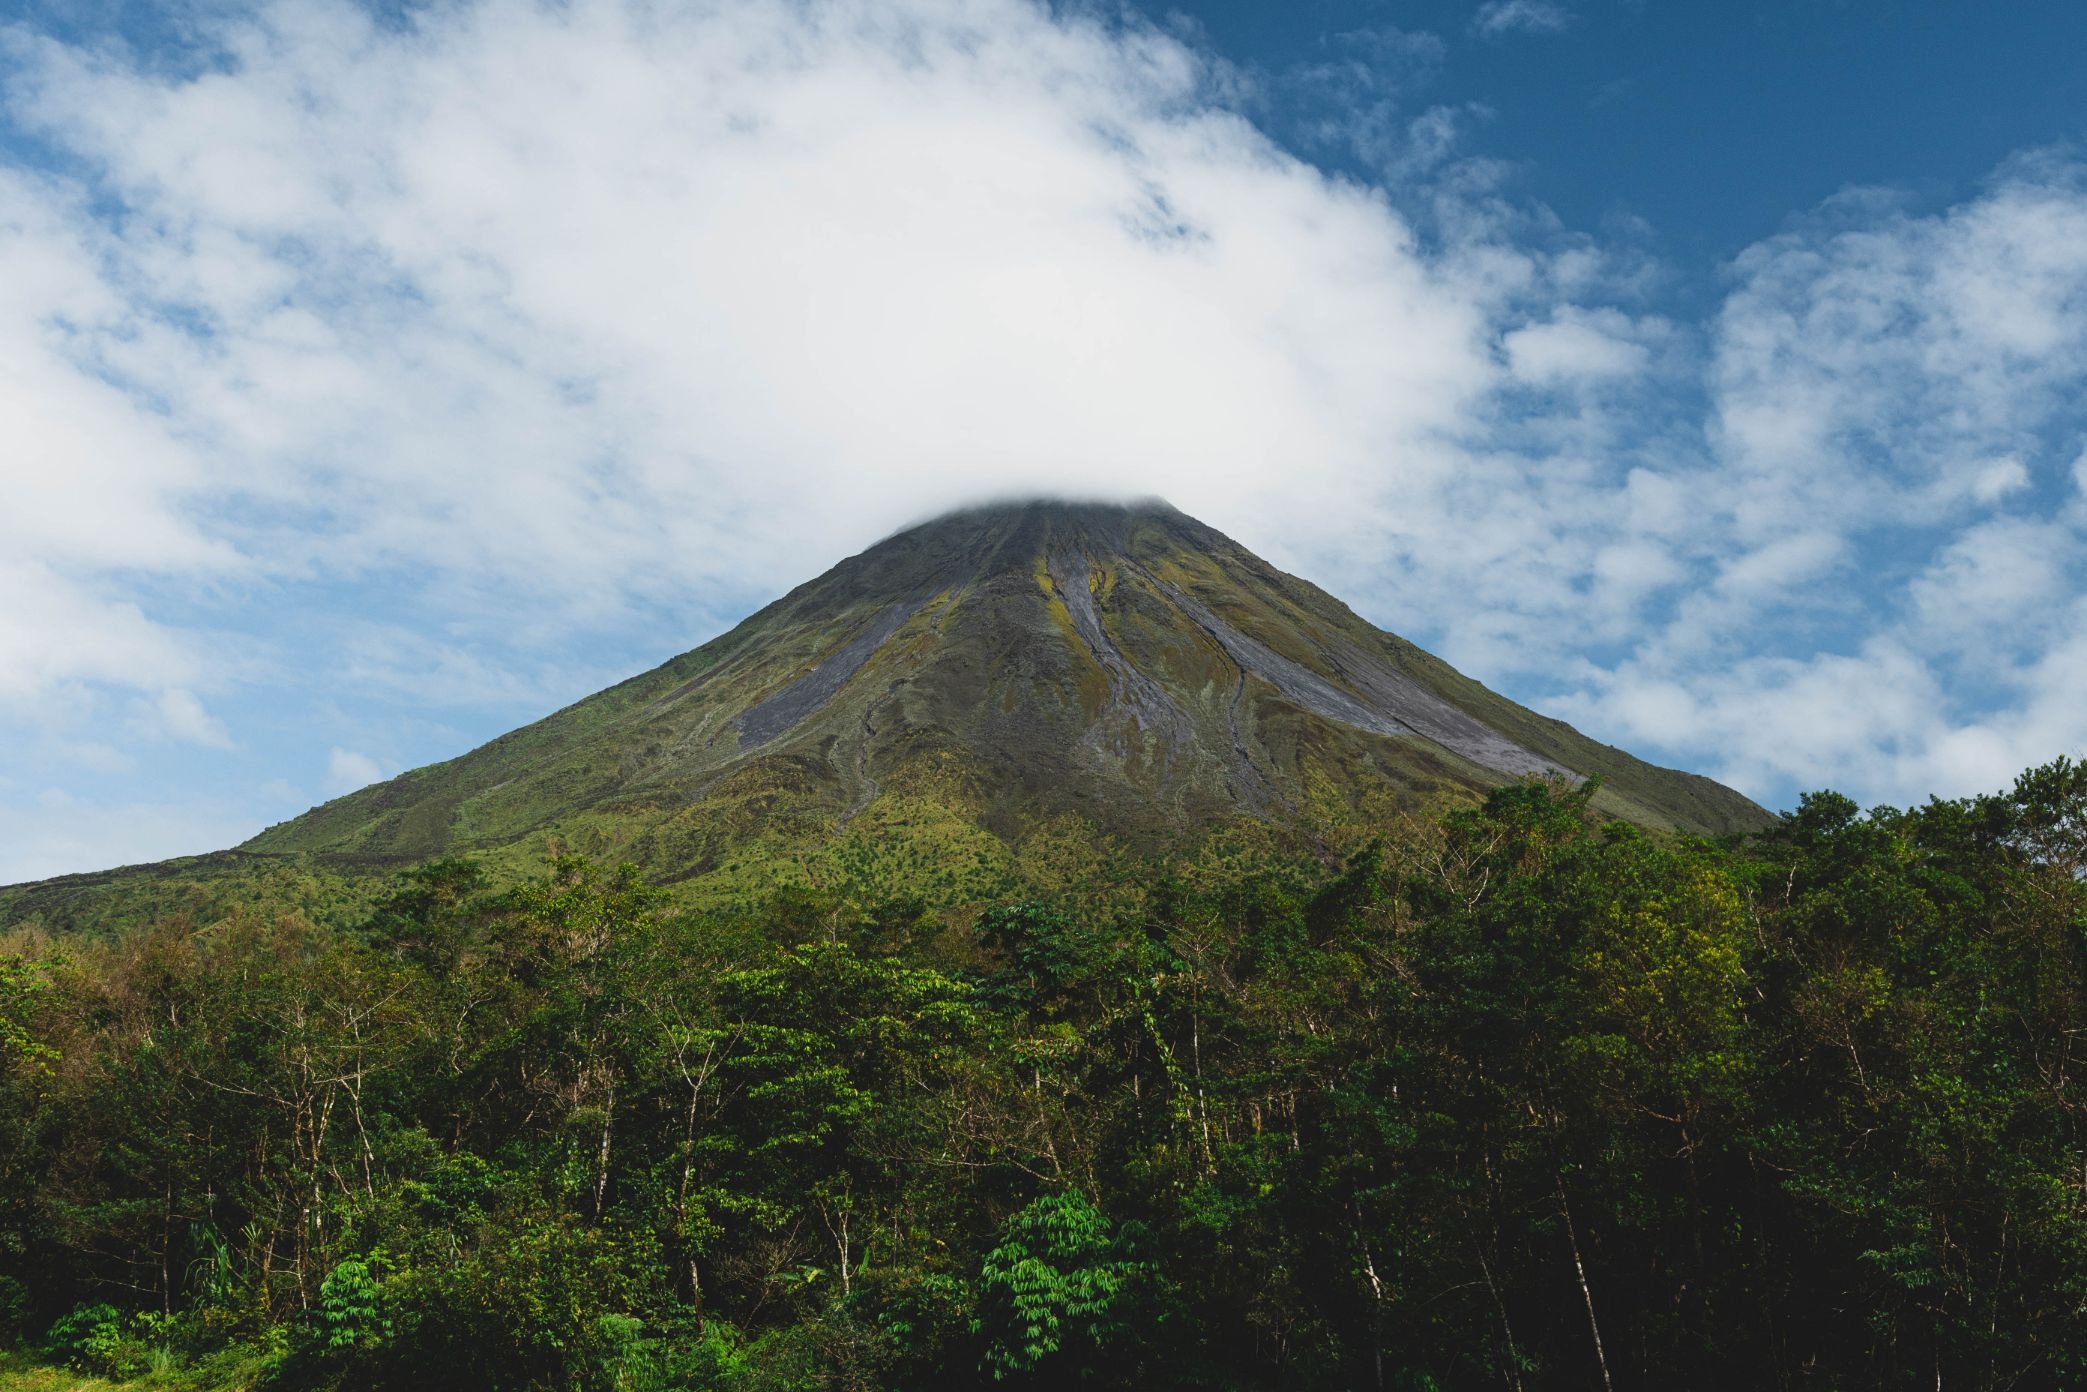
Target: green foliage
349 1313
93 1339
1803 1107
1048 951
1055 1290
20 982
540 1299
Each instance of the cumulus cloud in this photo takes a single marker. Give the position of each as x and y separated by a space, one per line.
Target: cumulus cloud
557 335
586 301
1881 383
1876 366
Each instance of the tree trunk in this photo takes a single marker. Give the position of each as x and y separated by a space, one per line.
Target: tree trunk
601 1178
1586 1291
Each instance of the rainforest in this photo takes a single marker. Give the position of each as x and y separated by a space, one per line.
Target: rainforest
1506 1095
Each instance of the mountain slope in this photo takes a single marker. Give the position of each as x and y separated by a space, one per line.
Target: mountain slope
982 685
1126 664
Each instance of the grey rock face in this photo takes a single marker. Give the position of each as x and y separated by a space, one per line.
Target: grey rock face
1380 700
765 720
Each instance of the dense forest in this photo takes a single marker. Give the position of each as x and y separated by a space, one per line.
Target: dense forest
1511 1099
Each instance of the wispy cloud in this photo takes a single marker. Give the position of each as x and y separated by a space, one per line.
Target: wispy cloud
1903 388
1497 17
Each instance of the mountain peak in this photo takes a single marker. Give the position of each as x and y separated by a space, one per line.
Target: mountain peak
1036 667
1004 531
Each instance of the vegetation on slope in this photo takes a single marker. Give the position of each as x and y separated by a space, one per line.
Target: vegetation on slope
1513 1097
952 646
992 705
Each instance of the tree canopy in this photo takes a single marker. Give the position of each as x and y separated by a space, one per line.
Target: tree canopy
1511 1098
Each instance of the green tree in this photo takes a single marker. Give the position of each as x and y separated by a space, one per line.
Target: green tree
1056 1291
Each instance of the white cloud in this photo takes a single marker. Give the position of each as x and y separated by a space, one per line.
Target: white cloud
55 631
1876 367
1998 585
581 304
347 770
1888 392
1520 17
1778 565
99 757
178 714
1865 720
1997 478
1577 345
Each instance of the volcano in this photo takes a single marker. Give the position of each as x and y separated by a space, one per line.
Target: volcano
998 687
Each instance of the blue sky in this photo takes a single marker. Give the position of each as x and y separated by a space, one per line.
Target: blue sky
1715 123
374 381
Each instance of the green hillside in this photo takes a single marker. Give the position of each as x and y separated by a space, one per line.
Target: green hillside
1003 698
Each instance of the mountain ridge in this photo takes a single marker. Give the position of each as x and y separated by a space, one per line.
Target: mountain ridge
1094 672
